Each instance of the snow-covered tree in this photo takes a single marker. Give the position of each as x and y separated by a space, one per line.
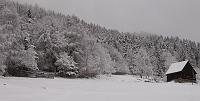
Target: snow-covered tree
169 59
66 67
120 64
142 65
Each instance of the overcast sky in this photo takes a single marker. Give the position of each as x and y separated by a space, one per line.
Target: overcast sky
166 17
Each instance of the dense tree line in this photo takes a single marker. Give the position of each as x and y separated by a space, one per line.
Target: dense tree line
36 39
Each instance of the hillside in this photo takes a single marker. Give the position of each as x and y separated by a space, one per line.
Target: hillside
37 39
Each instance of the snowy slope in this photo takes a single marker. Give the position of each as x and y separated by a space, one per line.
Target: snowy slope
114 88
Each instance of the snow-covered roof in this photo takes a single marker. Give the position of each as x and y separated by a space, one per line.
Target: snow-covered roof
176 67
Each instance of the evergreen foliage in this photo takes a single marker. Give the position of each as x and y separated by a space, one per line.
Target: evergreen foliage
66 67
87 49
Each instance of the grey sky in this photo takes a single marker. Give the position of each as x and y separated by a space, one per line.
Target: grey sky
166 17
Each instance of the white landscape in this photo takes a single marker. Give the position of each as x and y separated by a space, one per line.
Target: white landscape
104 45
114 88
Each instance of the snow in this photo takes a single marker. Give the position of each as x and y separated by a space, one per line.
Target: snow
104 88
176 67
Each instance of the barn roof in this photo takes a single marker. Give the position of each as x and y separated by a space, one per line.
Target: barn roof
176 67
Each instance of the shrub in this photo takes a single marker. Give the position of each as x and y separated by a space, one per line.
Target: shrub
20 62
3 69
88 73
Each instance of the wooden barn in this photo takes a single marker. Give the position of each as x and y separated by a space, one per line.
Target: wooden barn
181 72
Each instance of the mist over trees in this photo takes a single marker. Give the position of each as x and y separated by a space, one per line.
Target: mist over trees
33 38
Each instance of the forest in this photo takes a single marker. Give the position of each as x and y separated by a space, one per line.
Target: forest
35 39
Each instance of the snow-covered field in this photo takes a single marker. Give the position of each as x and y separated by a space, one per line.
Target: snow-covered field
114 88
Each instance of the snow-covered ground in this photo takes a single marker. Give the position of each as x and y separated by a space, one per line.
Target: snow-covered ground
114 88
